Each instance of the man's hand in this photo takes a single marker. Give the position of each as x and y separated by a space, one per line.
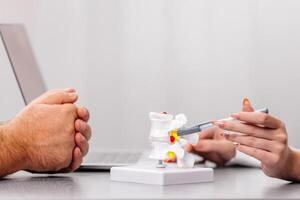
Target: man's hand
264 137
50 134
82 128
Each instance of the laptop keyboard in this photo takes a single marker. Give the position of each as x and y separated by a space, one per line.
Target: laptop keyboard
113 158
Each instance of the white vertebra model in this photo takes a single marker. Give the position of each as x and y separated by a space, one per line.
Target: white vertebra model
165 142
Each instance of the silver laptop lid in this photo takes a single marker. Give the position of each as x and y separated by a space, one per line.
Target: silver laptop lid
22 60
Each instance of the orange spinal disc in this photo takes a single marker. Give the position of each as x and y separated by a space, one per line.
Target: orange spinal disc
171 155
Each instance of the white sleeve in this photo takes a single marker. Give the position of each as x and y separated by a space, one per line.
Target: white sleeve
243 160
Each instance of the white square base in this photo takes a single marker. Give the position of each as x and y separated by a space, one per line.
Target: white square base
161 176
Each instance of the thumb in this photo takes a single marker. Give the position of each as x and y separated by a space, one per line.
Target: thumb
209 146
246 106
58 96
208 133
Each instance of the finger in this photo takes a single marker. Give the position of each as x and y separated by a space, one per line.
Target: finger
83 113
258 118
246 106
247 129
71 109
208 133
253 142
223 148
170 160
259 154
207 145
188 148
77 159
84 128
58 96
82 143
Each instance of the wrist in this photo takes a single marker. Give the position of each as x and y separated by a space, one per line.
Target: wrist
13 148
295 165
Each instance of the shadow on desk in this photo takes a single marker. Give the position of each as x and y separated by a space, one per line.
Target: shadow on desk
37 186
287 189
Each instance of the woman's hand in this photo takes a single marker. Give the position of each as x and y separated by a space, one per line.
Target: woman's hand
263 137
212 144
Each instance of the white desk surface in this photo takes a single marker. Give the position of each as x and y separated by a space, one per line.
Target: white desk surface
230 183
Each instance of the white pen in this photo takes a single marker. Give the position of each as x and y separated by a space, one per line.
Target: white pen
207 125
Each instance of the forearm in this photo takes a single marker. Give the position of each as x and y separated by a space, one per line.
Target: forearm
11 158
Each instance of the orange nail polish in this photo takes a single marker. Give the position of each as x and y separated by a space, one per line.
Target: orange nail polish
246 101
70 90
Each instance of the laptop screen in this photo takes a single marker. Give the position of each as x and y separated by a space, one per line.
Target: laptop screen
11 101
21 57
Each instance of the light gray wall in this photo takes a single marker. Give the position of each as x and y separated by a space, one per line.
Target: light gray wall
130 57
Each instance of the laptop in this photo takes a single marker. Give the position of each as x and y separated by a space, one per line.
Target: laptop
31 84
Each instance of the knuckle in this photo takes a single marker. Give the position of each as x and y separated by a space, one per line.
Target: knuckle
253 152
275 160
229 125
282 138
70 108
263 117
282 125
231 137
226 124
32 108
253 130
251 141
73 108
280 148
70 128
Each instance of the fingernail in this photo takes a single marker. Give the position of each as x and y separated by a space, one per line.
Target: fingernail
235 115
70 89
236 144
246 101
82 126
220 124
82 138
83 110
73 95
